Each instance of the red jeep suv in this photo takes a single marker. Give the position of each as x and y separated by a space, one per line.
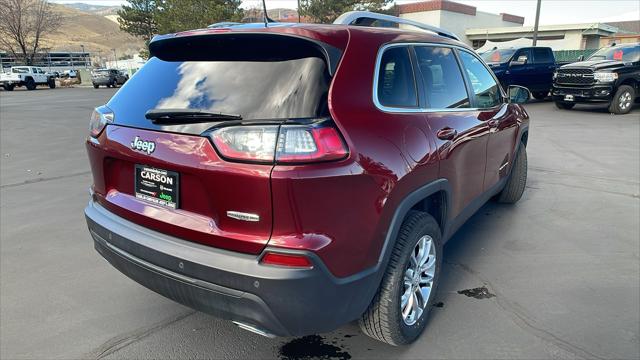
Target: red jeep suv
296 177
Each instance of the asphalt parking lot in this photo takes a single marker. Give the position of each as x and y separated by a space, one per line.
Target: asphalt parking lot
563 264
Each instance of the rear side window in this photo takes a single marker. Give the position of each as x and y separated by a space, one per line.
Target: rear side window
396 81
486 90
542 56
442 79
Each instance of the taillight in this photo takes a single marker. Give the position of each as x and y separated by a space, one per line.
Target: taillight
100 117
287 260
279 143
246 143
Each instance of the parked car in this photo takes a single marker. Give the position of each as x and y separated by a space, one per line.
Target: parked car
531 67
610 76
297 177
124 74
71 73
28 76
107 77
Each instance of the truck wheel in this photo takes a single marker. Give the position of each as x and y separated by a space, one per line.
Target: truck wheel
95 86
623 100
9 87
399 311
52 83
564 106
517 180
31 85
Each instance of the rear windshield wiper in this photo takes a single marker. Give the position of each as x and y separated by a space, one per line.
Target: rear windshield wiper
183 116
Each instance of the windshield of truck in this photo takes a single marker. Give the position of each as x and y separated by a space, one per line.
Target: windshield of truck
630 53
498 55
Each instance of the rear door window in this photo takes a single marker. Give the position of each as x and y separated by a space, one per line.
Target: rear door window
486 90
542 56
396 81
443 82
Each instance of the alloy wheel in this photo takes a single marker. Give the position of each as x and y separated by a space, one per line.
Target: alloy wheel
625 100
418 280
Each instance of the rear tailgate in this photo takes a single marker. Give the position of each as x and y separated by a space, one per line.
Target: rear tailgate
217 202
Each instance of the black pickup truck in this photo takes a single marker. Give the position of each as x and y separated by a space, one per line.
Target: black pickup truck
610 76
531 67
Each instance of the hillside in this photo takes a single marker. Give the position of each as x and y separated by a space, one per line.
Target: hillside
97 33
94 9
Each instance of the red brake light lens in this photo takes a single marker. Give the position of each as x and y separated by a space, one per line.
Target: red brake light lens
309 144
100 117
280 143
287 260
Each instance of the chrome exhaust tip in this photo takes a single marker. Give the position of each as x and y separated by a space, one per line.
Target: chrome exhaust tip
254 329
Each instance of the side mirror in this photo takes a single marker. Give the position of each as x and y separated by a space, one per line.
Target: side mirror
518 94
581 58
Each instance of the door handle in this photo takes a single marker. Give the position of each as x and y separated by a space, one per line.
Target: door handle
447 133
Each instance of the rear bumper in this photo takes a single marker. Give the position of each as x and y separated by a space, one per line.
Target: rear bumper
591 94
279 301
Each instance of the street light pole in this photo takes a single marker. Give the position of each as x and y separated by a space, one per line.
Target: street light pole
535 27
84 59
115 57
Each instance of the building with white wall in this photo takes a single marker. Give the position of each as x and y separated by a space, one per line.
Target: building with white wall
559 37
456 17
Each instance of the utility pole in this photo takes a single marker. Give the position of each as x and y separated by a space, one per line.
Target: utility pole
535 27
298 10
115 57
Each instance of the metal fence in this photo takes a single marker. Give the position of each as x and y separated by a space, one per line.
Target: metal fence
572 55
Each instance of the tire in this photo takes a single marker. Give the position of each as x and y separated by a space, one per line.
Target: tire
564 106
540 95
623 100
95 86
384 320
9 87
517 181
30 84
52 83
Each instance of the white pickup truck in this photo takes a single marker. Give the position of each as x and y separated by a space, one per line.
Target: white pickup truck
29 76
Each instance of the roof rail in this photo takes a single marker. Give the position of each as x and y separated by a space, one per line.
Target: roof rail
356 17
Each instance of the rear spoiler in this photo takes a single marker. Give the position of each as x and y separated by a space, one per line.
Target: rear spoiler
212 45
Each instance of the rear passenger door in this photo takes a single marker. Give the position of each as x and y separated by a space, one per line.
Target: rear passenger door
461 135
492 108
544 64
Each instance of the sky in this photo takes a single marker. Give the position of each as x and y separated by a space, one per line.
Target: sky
552 11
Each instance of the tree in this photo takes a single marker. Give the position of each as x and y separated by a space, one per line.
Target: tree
181 15
326 11
139 18
145 18
23 24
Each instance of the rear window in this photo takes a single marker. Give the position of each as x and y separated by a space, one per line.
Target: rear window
295 88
